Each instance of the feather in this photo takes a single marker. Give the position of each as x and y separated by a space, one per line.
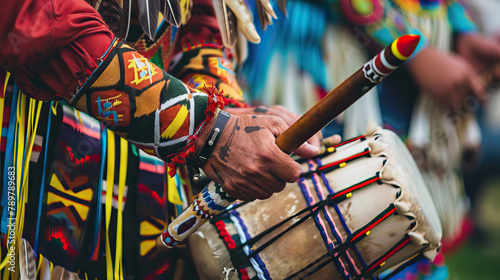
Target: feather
226 21
241 50
149 11
261 14
59 272
172 12
245 19
282 5
269 19
44 269
125 20
27 263
269 8
264 13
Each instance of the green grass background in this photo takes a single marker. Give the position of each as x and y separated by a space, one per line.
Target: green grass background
479 258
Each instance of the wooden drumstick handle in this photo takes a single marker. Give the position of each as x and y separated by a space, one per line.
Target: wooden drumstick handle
347 93
212 200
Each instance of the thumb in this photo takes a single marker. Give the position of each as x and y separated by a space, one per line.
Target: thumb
284 167
277 126
306 150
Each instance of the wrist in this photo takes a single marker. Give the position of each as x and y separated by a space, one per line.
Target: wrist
214 104
206 144
212 132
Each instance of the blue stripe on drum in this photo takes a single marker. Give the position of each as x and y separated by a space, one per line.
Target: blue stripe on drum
257 263
341 217
310 200
328 217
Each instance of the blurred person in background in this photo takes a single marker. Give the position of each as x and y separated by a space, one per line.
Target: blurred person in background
430 103
486 14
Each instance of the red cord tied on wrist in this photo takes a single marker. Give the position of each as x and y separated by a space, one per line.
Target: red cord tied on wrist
215 104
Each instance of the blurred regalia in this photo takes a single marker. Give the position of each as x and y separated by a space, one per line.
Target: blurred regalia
302 57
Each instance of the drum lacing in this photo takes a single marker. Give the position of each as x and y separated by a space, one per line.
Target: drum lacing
351 240
400 268
341 217
354 238
331 200
332 149
336 164
333 228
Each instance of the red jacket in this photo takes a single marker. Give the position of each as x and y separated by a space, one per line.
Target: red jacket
46 47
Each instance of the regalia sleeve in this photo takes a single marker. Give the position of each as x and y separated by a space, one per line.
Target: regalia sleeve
144 104
80 62
39 41
199 57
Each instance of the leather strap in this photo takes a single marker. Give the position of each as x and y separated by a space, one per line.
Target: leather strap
206 151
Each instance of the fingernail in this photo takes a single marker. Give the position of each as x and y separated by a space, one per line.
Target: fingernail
312 148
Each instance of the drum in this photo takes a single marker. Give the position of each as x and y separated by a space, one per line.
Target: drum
357 209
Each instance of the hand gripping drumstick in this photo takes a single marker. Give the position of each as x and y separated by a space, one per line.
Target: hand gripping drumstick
212 200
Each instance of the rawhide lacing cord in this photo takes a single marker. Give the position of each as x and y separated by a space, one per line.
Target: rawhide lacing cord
342 248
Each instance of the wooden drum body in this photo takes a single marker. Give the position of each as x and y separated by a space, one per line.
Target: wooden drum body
359 208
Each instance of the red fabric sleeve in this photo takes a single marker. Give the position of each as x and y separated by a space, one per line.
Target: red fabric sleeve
50 46
202 27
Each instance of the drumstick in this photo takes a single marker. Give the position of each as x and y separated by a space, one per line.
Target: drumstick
212 200
347 93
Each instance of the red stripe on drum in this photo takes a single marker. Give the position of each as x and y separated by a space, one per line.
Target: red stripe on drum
349 141
343 160
367 229
389 254
355 187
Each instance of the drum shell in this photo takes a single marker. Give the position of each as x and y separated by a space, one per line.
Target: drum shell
304 244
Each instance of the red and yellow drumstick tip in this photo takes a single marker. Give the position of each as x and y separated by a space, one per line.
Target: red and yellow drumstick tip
404 46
